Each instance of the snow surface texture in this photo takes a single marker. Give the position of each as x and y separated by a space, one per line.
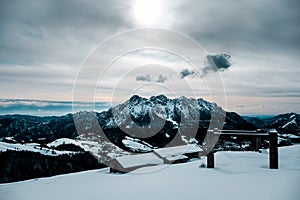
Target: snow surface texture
237 176
63 141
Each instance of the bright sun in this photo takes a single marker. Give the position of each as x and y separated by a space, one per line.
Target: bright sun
147 12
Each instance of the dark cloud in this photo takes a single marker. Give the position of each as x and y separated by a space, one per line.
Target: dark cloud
217 62
214 63
184 73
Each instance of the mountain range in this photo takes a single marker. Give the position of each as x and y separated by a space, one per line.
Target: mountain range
138 125
288 123
157 120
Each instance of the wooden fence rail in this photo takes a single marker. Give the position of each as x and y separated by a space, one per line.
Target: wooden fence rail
258 135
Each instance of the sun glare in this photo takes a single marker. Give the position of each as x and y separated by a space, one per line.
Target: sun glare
147 12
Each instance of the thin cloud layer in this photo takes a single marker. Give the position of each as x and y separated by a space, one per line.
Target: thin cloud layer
161 78
47 108
145 78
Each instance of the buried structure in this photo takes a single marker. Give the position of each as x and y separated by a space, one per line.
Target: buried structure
178 154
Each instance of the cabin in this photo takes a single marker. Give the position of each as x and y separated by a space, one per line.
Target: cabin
129 163
170 155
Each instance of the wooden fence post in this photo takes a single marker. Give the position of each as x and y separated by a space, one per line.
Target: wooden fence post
257 144
210 143
273 150
210 159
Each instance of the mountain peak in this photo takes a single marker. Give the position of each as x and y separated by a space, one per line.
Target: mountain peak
162 99
136 99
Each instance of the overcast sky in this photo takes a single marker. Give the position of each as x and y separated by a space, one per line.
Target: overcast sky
44 43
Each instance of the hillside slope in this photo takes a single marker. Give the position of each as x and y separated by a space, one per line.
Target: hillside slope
238 175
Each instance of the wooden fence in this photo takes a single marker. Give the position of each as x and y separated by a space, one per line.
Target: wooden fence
258 135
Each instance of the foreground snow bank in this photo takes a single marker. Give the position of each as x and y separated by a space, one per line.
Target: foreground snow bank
238 175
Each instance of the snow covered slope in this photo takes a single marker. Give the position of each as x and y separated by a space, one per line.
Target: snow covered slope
237 176
287 125
32 147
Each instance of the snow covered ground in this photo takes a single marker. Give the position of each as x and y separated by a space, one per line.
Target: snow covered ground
238 175
33 147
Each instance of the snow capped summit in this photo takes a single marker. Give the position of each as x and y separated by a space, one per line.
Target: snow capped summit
159 119
161 99
164 107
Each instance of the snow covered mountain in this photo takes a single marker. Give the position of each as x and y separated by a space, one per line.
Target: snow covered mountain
160 121
29 129
287 125
284 122
136 126
156 121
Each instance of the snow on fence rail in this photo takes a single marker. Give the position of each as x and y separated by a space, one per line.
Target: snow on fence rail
213 135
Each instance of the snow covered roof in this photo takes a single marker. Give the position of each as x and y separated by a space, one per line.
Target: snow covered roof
157 157
178 150
176 157
139 160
